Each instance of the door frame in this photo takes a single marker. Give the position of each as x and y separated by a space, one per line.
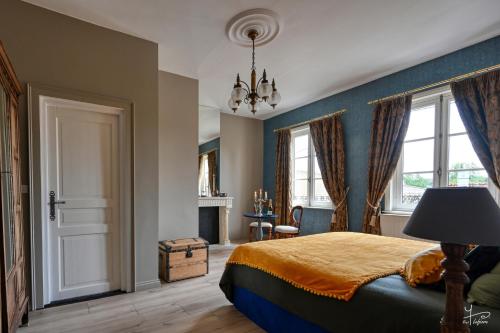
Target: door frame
38 252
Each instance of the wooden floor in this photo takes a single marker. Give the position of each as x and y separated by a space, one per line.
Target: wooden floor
195 305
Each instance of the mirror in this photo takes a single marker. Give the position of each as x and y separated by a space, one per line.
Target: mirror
209 152
7 200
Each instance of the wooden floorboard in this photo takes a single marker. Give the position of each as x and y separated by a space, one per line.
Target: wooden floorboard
194 305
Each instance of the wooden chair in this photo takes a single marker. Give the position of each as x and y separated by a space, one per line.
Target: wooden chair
293 228
266 226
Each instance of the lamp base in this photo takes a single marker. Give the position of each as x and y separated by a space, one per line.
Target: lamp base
455 278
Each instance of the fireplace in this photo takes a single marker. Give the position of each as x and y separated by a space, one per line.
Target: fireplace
209 224
222 206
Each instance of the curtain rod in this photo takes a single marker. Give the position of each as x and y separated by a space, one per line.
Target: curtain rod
336 113
437 84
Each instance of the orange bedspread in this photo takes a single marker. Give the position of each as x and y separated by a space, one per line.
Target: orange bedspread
333 264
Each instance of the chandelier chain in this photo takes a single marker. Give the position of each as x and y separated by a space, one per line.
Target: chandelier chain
253 53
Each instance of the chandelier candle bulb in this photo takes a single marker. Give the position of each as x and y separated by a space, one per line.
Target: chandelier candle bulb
232 105
255 107
275 97
238 93
265 89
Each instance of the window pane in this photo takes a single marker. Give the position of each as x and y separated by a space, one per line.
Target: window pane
456 124
301 166
476 178
301 146
461 154
317 171
421 123
300 190
418 156
414 186
320 193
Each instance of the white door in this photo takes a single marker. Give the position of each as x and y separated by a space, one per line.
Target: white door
82 169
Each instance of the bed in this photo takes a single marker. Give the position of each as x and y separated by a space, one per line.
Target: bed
281 303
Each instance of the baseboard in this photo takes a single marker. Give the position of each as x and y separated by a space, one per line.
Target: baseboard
145 285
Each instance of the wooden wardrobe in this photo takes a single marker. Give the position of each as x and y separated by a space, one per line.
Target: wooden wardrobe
13 289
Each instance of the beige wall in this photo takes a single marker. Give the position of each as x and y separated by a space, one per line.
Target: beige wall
241 151
178 156
393 224
57 50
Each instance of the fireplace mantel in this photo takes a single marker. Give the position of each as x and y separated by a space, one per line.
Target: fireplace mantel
216 202
225 204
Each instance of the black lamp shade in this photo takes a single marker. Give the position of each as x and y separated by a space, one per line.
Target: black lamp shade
456 215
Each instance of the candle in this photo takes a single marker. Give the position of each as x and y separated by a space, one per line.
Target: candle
265 195
260 193
255 196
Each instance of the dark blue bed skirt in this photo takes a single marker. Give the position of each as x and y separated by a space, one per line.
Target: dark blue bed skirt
269 316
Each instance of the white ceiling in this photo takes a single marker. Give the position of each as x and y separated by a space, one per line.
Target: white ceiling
324 47
209 124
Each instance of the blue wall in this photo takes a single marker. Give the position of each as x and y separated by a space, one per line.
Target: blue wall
210 145
356 122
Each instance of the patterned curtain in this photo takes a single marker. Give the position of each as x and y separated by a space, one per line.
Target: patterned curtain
389 126
478 102
212 170
200 171
283 200
328 139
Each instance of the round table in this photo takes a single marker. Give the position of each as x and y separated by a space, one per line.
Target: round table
260 218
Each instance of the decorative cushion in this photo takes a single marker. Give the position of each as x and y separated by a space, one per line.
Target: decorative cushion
481 260
486 289
286 229
255 224
424 267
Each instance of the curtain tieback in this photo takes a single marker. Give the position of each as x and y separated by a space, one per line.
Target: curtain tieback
340 204
376 213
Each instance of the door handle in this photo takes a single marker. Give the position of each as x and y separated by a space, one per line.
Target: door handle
52 205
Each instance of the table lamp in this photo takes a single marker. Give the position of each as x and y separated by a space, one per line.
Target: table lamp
456 217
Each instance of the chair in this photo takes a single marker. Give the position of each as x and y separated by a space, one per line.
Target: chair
265 226
293 228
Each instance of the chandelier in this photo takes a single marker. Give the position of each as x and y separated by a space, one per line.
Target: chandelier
259 92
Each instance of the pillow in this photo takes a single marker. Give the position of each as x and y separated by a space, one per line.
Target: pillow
481 260
486 289
424 267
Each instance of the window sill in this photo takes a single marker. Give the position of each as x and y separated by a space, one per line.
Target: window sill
396 213
317 207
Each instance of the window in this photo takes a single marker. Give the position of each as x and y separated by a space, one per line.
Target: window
436 152
307 184
204 184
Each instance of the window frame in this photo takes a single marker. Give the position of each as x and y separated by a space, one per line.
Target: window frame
441 98
396 184
311 155
204 184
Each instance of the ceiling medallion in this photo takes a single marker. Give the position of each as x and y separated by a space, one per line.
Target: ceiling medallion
252 28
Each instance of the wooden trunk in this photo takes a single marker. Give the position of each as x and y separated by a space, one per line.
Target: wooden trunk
13 289
183 258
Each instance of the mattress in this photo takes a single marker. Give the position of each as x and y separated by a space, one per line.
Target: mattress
385 305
